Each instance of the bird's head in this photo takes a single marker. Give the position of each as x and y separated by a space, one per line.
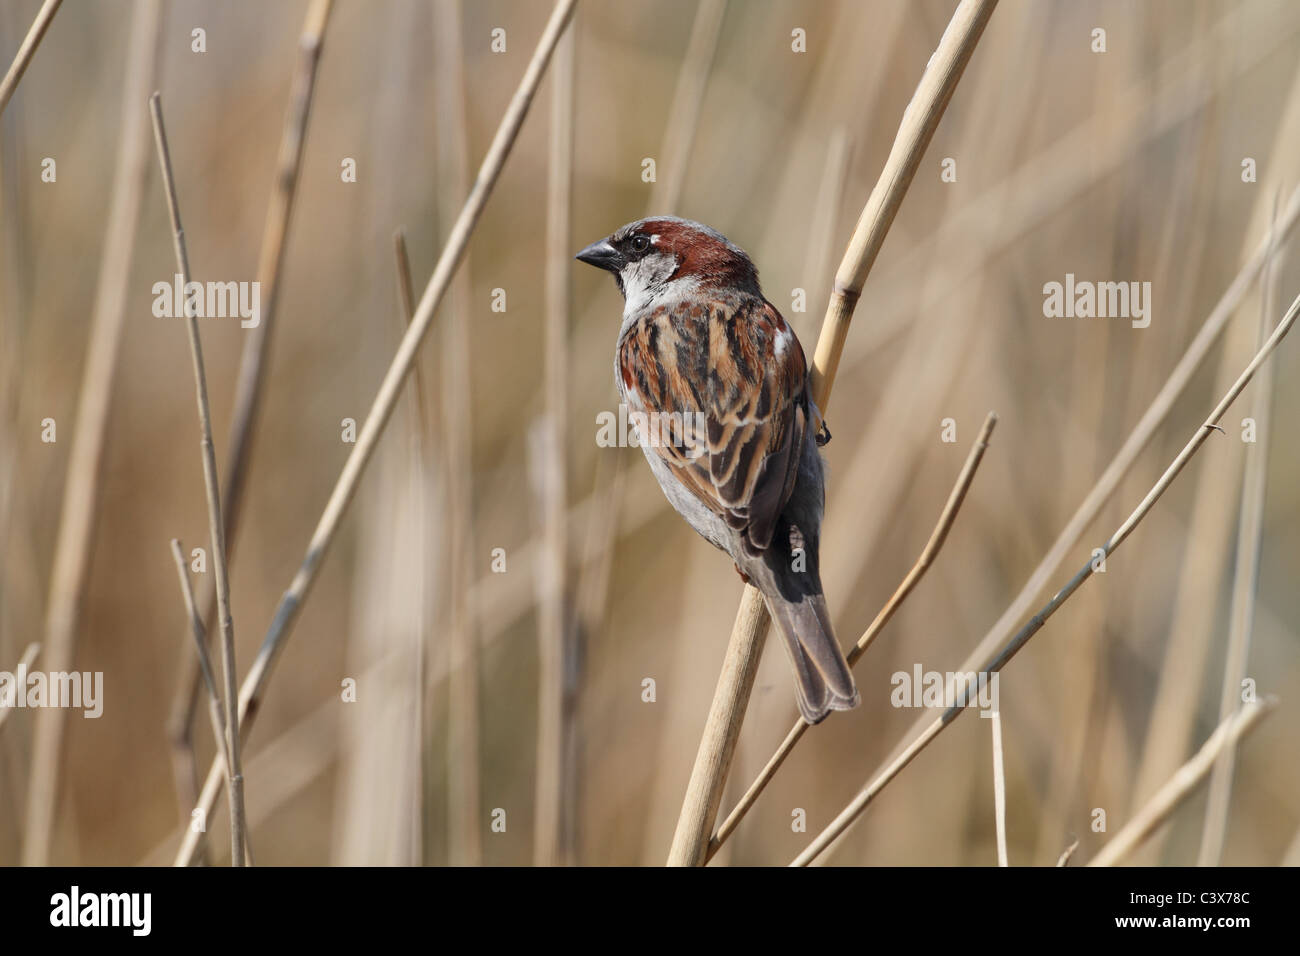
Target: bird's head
666 258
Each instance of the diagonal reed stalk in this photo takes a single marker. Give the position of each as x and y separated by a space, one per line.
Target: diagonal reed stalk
1165 800
75 540
744 650
1068 852
1035 624
253 366
26 50
385 400
886 613
216 530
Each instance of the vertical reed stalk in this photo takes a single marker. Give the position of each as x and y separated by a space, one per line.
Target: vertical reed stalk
216 530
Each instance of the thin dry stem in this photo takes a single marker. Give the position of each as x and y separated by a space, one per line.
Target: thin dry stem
291 603
1035 624
713 761
1067 853
26 50
999 788
1165 800
216 530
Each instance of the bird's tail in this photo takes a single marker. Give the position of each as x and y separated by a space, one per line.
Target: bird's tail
823 681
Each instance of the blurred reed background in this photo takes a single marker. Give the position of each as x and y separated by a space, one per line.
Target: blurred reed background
1116 166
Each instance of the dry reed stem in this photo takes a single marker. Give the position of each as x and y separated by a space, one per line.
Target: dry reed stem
999 788
216 530
555 785
24 663
464 796
1245 583
920 119
253 366
26 50
81 492
1035 624
291 603
1165 800
215 711
1067 853
883 617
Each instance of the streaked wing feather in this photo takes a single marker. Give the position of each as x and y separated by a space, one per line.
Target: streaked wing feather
741 368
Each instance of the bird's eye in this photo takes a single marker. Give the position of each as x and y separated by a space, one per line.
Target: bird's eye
640 243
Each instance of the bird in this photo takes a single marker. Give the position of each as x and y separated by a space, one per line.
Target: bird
717 385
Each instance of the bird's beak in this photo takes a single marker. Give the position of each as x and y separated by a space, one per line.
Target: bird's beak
602 255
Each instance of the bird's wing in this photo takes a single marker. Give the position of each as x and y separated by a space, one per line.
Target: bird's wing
723 391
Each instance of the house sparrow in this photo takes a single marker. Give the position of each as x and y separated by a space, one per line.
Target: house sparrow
721 380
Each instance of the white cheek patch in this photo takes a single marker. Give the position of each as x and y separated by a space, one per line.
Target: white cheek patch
644 281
